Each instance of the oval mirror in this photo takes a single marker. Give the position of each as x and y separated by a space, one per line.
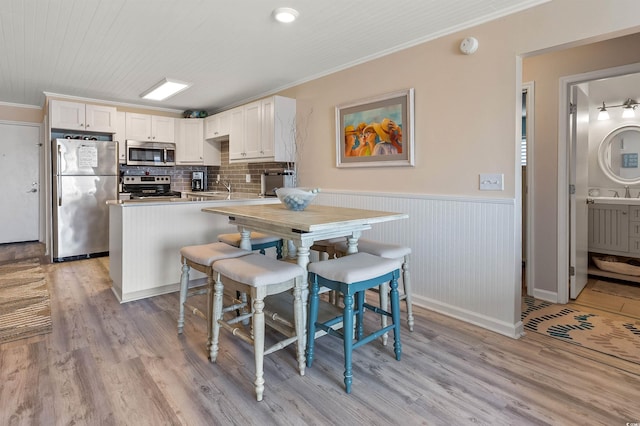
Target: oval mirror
618 155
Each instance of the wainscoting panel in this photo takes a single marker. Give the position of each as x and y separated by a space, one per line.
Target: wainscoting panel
464 261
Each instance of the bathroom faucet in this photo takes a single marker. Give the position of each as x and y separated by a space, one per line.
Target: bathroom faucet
627 194
615 193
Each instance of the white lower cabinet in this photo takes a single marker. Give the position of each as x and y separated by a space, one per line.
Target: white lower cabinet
614 229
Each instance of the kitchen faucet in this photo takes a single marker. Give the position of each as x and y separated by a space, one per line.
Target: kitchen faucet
227 186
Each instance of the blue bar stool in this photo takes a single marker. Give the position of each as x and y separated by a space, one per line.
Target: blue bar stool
352 276
388 251
259 241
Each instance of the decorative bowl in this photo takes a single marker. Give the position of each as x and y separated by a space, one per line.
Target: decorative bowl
296 199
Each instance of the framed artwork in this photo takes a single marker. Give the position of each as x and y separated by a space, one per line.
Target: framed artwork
376 132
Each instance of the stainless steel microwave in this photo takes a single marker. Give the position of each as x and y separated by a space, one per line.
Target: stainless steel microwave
150 153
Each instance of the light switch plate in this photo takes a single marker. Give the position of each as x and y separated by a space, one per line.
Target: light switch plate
248 178
491 181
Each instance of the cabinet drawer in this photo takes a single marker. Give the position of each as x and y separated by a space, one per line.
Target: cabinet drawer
634 213
634 229
634 245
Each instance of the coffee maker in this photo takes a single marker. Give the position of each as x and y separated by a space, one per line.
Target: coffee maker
197 181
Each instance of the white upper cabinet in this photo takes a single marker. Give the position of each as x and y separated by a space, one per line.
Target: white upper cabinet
119 136
82 117
189 141
217 126
263 130
191 147
144 127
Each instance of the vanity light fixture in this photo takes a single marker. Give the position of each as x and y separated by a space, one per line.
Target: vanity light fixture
628 109
165 89
603 114
285 14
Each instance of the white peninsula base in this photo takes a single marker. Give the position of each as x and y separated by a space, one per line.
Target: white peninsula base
145 241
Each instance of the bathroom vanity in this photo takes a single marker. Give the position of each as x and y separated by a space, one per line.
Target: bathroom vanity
614 222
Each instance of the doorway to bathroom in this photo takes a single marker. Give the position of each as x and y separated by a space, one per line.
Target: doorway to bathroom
583 97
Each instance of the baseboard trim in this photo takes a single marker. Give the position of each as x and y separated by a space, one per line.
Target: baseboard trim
548 296
515 331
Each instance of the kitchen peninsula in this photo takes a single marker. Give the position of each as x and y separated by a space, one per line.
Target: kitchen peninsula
145 240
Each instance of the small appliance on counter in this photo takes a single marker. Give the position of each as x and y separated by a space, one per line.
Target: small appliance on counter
271 180
197 181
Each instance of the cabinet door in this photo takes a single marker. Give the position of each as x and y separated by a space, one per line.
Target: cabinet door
236 134
253 130
224 123
100 118
190 141
608 228
67 115
138 126
268 116
120 136
162 129
211 125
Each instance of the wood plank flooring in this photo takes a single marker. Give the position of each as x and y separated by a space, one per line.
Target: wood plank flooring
608 302
111 364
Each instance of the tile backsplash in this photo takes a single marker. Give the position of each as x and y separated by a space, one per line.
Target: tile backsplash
235 173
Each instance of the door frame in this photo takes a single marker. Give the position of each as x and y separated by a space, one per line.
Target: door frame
564 158
529 86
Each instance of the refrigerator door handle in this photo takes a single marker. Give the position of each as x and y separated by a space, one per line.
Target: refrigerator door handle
59 175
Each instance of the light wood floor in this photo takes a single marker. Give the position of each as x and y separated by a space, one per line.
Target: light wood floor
111 364
606 302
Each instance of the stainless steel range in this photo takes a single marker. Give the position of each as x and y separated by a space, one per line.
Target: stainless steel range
148 187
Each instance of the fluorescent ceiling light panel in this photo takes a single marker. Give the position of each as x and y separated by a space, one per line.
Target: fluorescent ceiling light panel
165 89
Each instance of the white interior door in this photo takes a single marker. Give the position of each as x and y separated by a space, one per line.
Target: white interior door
579 213
19 165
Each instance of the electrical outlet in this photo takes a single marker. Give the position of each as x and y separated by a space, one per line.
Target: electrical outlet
491 182
248 178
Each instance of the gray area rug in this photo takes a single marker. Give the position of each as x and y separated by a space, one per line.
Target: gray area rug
622 290
25 306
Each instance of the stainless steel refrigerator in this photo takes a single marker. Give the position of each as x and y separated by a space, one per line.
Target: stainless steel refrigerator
85 176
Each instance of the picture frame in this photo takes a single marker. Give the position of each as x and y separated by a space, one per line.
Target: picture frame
377 131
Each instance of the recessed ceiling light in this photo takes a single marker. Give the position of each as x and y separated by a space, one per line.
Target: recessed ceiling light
285 14
165 89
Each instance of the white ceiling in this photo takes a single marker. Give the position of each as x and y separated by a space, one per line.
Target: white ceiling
231 50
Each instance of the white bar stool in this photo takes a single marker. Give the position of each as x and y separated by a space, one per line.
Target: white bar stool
259 276
200 258
388 251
